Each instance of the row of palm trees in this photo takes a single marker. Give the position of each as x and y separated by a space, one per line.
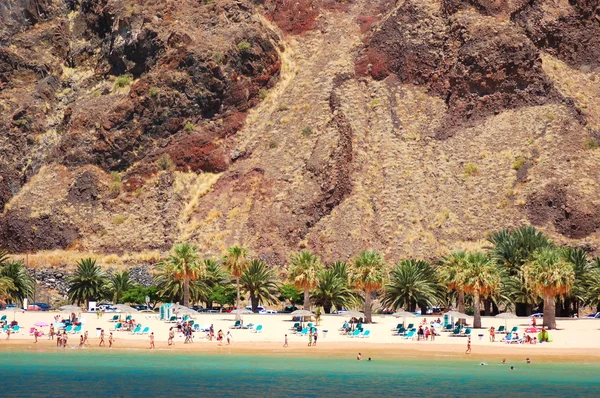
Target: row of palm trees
519 269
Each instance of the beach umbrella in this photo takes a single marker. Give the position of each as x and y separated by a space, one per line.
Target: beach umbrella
181 310
458 315
301 313
506 316
403 314
126 308
353 314
42 324
70 308
239 312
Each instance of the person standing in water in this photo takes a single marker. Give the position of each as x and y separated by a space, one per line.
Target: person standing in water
152 340
468 345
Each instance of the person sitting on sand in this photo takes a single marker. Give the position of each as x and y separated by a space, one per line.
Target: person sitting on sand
543 335
533 341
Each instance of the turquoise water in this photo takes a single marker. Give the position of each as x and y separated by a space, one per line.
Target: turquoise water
136 373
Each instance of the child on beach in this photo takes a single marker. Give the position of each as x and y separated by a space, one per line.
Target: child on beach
152 340
228 337
285 341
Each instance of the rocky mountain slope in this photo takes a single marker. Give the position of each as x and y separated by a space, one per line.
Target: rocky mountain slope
412 127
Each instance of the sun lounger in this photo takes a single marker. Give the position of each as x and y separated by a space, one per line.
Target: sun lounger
3 318
77 329
500 330
258 329
114 318
16 329
146 330
137 329
400 331
173 319
237 325
117 326
509 339
365 334
409 335
515 329
355 333
466 333
69 329
295 327
448 328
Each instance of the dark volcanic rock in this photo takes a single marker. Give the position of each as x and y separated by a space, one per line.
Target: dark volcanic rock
572 216
18 233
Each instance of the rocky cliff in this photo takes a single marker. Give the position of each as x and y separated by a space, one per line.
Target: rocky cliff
411 127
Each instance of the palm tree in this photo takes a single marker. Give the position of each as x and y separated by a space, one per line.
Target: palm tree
172 287
118 283
332 290
236 260
304 272
6 286
259 281
368 276
480 277
214 275
550 275
451 276
87 283
412 282
184 266
21 283
591 294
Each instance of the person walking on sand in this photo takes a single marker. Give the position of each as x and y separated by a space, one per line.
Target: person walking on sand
220 337
51 334
110 340
171 336
315 337
492 334
8 332
285 341
35 335
81 340
152 340
85 338
101 338
432 333
65 339
58 340
228 337
310 339
468 345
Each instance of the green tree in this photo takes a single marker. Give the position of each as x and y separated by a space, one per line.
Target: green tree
118 283
290 292
236 261
6 286
223 295
481 277
332 290
412 283
259 281
183 265
550 275
137 295
214 275
21 283
87 283
368 275
304 271
450 275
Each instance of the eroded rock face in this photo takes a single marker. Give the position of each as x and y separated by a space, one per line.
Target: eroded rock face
19 233
478 64
573 216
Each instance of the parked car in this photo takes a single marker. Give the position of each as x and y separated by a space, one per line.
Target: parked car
140 307
289 308
595 315
198 308
537 315
267 312
43 306
9 306
258 308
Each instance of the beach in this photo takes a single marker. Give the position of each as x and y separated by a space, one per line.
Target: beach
575 341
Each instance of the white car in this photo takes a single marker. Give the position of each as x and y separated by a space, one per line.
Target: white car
595 315
537 315
267 312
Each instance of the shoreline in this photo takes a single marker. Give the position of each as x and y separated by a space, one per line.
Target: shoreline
381 351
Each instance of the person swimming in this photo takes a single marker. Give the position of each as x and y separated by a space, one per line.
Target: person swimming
512 368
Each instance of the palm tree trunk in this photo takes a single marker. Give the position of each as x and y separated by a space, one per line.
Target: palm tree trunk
477 315
461 301
254 302
237 300
367 306
186 292
549 312
306 299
